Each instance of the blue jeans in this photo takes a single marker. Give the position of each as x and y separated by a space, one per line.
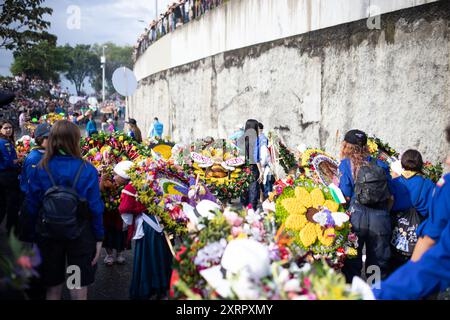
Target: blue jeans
374 229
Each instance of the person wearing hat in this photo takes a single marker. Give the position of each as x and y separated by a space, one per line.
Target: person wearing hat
115 235
133 130
372 224
152 267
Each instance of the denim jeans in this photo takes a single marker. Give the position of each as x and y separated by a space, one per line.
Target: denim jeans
374 230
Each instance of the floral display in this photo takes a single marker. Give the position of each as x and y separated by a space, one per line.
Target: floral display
160 147
24 146
319 166
163 188
17 268
308 214
52 117
433 172
281 156
238 256
106 150
380 150
218 164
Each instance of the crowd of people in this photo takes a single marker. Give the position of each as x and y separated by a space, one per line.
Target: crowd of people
177 14
53 199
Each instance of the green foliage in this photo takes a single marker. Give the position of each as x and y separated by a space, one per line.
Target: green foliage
22 24
43 60
81 63
116 56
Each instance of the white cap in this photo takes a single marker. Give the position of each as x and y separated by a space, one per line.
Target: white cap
122 168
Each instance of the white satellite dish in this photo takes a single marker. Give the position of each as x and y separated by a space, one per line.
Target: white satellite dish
124 81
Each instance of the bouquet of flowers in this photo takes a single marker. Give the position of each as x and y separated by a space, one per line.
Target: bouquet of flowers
17 268
433 172
380 150
24 146
106 150
52 117
307 213
162 187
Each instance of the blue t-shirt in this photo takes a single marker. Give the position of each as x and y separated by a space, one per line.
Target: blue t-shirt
412 192
91 127
30 164
7 155
64 169
439 210
346 182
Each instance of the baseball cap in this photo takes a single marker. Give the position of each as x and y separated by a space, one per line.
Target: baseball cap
356 137
131 121
42 130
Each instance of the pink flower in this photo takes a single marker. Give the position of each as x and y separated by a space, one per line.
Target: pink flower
24 262
307 283
236 231
352 237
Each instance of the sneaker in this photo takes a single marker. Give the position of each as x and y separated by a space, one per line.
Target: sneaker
109 260
120 258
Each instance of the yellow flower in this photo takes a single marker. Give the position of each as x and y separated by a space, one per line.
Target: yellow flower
373 147
352 252
308 235
121 138
331 205
317 198
293 206
296 222
304 197
328 236
242 236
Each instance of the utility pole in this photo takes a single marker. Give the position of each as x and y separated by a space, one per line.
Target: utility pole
156 10
103 60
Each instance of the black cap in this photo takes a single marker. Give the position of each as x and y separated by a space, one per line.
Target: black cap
131 121
42 130
357 137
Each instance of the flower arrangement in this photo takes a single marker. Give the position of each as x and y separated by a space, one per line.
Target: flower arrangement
380 150
319 166
219 165
52 117
162 188
24 146
161 147
17 268
308 214
433 172
105 150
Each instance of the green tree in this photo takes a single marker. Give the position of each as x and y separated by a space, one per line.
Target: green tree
22 24
81 63
43 60
116 56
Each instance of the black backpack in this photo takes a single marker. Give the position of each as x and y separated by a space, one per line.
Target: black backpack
62 213
371 185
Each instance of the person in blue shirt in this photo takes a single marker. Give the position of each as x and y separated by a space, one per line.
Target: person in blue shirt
156 130
133 130
9 176
428 271
63 160
91 127
411 190
372 225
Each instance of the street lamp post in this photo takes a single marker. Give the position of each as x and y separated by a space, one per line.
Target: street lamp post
103 61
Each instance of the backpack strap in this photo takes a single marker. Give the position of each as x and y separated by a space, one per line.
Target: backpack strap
77 177
50 175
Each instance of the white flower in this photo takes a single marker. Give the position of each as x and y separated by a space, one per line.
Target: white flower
210 254
292 285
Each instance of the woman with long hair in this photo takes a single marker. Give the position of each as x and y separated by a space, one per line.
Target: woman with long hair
249 144
371 223
62 166
133 130
9 176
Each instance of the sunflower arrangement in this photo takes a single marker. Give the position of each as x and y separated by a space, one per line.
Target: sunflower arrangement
309 215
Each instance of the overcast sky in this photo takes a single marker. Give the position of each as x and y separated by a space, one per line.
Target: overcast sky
100 21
